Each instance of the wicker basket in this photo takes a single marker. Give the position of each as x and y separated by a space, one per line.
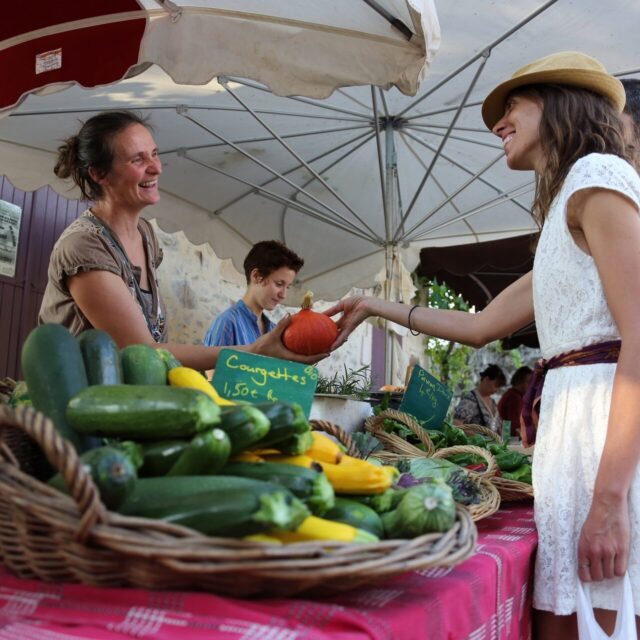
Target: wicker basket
339 434
512 490
53 537
394 443
478 429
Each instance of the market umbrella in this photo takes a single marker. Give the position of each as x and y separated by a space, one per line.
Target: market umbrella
357 183
479 272
302 48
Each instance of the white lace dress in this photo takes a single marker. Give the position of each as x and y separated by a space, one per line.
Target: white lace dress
571 312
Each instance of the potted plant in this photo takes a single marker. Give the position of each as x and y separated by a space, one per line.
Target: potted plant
343 398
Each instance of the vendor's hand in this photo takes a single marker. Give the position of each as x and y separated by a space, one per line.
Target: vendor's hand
354 310
603 546
270 344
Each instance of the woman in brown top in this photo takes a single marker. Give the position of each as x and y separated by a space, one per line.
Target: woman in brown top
102 272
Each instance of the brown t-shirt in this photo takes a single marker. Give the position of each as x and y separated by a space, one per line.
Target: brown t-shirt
84 246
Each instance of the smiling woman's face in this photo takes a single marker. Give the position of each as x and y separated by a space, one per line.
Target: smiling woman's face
519 130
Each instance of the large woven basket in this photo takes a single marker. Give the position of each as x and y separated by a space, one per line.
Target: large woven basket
53 537
397 449
510 490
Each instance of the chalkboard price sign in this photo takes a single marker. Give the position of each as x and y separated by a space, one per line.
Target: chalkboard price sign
426 398
252 378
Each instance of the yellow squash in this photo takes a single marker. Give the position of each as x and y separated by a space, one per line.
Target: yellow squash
190 378
314 528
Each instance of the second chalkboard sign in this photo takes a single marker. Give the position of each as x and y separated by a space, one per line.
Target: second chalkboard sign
426 398
252 378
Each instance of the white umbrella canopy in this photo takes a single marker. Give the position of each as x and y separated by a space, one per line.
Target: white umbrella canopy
302 48
355 183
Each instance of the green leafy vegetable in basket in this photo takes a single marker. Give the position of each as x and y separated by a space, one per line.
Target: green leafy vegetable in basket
426 508
510 460
438 438
455 437
465 489
366 443
466 459
521 474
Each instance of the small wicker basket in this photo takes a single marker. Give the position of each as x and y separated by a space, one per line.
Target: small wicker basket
47 535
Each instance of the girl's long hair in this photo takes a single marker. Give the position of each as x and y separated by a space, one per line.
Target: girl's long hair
575 122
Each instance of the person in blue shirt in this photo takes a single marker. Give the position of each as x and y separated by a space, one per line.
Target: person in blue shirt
270 268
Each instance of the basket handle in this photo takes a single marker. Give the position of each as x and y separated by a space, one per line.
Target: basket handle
492 465
338 433
62 456
374 425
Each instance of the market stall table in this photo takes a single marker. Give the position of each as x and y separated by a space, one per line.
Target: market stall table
486 597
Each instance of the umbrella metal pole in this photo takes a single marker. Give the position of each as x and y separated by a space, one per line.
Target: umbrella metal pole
391 214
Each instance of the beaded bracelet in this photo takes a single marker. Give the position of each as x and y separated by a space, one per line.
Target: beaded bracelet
413 333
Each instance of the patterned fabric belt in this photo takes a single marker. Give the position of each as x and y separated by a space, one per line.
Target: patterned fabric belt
603 352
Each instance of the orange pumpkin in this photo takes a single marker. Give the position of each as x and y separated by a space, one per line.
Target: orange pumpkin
309 332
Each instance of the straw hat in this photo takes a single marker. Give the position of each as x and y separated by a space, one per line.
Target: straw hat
567 67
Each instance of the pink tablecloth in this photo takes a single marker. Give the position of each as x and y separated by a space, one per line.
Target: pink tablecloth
485 598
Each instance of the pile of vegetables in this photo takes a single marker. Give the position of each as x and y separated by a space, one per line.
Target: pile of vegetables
512 464
160 443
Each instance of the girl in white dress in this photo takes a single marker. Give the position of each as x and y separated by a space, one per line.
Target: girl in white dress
559 116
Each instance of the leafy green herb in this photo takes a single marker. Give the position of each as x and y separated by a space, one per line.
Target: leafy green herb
366 443
354 382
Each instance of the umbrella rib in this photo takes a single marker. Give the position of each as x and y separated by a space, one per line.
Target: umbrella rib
298 157
368 135
467 170
376 121
437 112
254 85
384 102
391 19
450 197
436 181
488 204
268 168
445 126
269 138
472 84
172 107
313 213
484 52
427 129
339 266
335 162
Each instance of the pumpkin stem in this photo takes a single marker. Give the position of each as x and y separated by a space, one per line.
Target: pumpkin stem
307 300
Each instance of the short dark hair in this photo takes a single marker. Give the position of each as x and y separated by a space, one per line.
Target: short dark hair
494 372
92 147
269 256
520 376
632 105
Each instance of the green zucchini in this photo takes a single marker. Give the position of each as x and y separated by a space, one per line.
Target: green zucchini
206 454
245 425
142 412
170 361
287 421
101 357
113 472
158 457
142 364
54 372
309 485
225 508
356 514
